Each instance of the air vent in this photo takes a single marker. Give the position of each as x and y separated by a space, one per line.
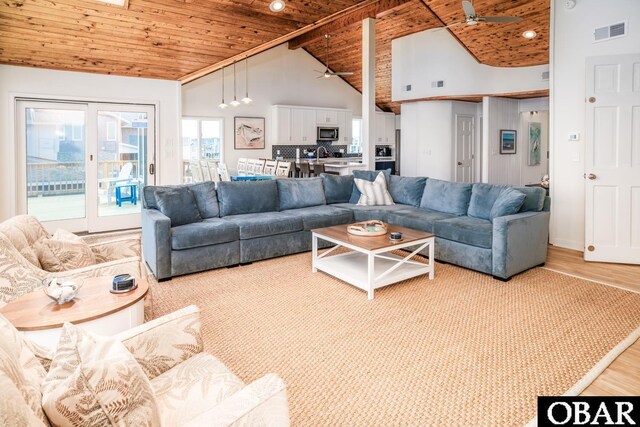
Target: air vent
610 32
545 76
406 88
437 83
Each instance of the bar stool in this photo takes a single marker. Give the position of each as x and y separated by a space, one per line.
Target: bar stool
318 168
305 170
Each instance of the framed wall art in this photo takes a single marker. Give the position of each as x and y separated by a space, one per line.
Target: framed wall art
248 133
508 140
535 143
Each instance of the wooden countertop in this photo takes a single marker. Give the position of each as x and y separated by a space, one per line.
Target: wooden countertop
36 311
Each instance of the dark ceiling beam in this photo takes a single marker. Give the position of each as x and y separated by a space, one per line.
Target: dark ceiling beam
444 24
379 9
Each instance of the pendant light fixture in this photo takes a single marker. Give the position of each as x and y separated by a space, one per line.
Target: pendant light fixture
235 101
246 98
223 105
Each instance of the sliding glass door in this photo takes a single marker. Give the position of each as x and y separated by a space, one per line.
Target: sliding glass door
82 165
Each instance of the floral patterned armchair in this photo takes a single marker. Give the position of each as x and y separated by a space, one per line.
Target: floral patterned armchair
21 272
191 388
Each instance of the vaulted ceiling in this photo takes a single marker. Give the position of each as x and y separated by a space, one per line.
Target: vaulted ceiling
185 39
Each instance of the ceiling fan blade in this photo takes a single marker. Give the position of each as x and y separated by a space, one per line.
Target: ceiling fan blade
468 8
342 73
499 19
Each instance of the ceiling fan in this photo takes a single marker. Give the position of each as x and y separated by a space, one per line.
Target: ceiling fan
471 17
327 73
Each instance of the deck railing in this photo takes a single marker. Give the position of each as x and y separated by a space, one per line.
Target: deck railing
56 178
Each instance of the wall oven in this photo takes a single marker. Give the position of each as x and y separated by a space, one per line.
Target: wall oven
328 134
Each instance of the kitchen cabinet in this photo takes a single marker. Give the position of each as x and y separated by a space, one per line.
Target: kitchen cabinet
303 126
327 117
345 127
297 125
385 129
292 125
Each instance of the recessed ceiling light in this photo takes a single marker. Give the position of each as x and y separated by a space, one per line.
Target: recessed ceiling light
277 5
529 34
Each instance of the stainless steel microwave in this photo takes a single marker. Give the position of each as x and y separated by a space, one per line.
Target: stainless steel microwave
328 134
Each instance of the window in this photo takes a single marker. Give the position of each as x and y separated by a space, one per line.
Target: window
356 136
112 129
202 139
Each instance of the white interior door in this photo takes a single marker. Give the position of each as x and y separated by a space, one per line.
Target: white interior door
465 132
612 168
81 166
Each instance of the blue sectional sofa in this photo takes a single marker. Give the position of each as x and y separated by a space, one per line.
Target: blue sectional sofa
190 228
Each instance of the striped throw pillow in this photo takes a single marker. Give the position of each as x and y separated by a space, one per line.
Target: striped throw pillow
374 193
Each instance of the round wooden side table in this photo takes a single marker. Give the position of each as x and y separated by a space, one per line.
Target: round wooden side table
95 308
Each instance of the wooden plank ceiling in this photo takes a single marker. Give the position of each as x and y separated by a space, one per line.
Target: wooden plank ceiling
185 39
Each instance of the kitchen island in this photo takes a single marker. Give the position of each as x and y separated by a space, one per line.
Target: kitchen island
340 166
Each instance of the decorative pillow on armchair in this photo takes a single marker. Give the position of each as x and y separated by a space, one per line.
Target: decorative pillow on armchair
95 381
374 193
64 251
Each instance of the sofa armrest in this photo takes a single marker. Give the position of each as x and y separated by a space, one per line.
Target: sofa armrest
156 241
112 250
165 342
519 242
263 403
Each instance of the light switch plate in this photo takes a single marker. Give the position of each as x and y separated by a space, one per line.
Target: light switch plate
573 136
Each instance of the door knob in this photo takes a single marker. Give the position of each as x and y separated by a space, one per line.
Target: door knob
591 176
459 163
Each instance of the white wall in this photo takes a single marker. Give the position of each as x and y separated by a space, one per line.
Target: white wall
277 76
427 148
423 57
52 84
498 114
571 44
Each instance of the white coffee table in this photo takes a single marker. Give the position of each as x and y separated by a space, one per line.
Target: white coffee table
370 264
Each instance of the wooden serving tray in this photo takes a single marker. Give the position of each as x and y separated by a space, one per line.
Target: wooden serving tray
368 228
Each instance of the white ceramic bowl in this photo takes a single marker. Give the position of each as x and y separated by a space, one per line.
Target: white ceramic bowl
61 290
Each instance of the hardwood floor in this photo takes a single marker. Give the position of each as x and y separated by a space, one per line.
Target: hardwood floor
622 377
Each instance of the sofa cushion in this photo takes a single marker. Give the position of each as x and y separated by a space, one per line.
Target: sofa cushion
14 411
445 196
417 218
211 231
508 202
374 193
337 188
295 193
322 216
369 176
366 213
534 202
95 381
483 197
466 229
178 204
62 255
193 387
265 224
247 197
203 192
407 189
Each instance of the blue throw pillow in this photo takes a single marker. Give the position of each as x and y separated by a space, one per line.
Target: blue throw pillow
534 202
508 202
483 197
368 176
407 189
178 204
337 188
203 192
296 193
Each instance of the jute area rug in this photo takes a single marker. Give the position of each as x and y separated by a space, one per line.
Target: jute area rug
463 349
